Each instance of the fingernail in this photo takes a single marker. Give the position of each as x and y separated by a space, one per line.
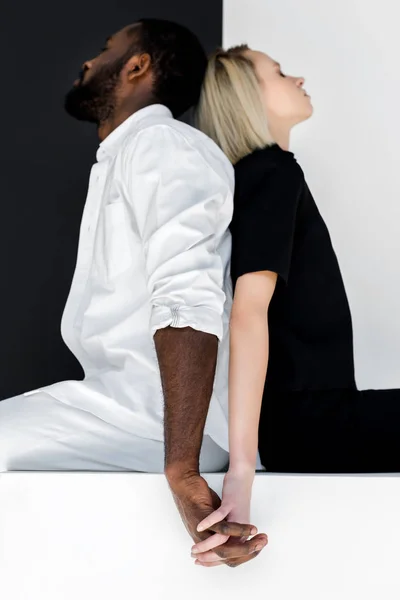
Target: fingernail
253 531
200 528
195 551
196 562
259 548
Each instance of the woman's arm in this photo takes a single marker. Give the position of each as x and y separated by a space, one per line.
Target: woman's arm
247 371
248 366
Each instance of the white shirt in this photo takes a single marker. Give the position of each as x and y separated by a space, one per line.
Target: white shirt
154 250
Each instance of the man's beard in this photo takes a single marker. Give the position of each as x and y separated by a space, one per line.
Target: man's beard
95 101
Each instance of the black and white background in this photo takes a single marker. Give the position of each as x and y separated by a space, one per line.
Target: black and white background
348 52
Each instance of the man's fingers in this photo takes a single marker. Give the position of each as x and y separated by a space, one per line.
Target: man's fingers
235 562
217 515
233 529
234 550
212 542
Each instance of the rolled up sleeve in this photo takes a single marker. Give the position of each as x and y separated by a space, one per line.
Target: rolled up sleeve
177 198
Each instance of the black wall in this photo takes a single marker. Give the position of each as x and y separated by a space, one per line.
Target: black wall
45 162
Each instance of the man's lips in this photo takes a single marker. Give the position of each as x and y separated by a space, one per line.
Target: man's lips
79 80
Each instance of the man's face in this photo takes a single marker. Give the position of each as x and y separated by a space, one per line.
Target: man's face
93 96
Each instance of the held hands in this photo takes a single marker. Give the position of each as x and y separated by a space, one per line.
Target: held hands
226 539
235 508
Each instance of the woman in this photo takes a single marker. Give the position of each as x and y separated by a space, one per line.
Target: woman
290 312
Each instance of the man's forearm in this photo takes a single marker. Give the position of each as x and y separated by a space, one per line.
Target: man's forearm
187 360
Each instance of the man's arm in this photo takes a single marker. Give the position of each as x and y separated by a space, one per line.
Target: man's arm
187 360
183 207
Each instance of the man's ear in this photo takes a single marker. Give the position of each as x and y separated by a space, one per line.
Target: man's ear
137 66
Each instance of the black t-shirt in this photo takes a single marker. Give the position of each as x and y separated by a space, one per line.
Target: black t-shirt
277 227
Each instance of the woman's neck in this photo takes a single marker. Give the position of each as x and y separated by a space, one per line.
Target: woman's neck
281 136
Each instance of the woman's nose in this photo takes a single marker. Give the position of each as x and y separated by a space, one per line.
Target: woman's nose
300 81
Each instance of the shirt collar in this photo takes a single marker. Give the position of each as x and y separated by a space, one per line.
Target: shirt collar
109 146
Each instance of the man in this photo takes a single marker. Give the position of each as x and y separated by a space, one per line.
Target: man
150 297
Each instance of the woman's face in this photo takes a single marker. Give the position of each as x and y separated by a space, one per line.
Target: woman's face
283 95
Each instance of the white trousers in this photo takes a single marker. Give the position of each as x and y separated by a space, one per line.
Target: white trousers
40 433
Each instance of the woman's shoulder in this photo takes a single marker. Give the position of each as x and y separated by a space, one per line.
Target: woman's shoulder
265 170
269 157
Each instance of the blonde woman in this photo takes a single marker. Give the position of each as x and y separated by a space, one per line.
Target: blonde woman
292 392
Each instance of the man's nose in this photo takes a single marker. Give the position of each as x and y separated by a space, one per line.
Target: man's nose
86 66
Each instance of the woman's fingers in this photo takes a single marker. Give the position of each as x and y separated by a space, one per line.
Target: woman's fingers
210 543
208 557
213 518
211 564
234 550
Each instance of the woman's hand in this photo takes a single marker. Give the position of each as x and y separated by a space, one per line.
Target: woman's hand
235 507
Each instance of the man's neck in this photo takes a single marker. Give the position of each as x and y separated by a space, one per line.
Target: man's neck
119 117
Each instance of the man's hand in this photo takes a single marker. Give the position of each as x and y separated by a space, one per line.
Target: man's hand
195 500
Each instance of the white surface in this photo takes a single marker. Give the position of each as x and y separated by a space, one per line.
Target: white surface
348 52
101 536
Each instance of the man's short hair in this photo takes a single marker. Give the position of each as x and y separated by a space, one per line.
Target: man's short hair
179 62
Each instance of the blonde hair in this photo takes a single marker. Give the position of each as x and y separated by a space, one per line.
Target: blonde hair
230 109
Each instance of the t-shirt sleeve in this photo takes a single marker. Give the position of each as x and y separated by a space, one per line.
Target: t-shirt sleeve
264 223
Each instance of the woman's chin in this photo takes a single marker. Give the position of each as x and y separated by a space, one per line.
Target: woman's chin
308 113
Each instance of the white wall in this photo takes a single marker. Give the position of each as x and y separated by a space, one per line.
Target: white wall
348 51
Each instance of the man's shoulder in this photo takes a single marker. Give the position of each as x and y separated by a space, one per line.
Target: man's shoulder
180 135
